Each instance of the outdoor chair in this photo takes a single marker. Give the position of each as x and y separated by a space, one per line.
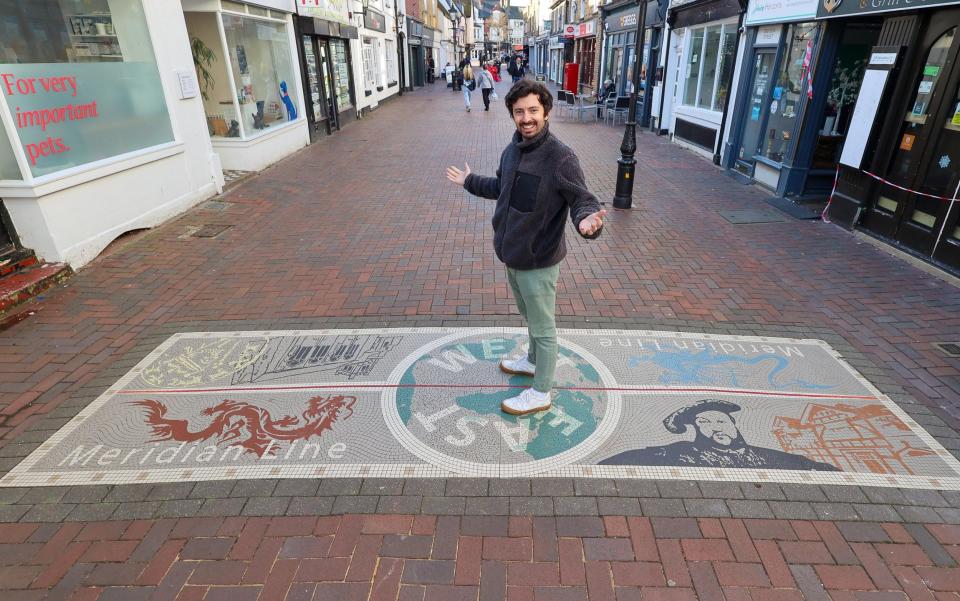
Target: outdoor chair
561 101
620 107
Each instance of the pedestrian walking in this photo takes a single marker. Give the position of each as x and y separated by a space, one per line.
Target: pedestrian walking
494 68
485 81
469 85
538 182
516 69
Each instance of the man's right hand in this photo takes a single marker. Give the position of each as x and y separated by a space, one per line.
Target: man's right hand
456 176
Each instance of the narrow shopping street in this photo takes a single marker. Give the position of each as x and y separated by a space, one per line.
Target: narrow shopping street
361 237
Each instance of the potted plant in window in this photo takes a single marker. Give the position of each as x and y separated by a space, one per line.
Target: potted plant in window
203 58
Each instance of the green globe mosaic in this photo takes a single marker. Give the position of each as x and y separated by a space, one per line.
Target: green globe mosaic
449 399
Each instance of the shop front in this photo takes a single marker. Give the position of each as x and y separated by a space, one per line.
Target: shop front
379 53
619 53
417 60
91 109
703 50
325 60
250 79
585 55
558 46
898 177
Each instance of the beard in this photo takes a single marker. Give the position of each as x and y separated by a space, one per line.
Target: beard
736 442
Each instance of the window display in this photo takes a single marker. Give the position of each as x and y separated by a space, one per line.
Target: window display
792 83
694 63
81 82
341 73
263 72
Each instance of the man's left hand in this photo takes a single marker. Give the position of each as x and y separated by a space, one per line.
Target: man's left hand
590 224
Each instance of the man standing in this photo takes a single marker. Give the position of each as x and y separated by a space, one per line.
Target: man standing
538 182
516 69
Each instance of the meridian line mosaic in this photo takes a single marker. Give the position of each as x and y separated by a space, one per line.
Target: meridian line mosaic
425 402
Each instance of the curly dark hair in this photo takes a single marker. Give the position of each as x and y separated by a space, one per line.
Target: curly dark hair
524 88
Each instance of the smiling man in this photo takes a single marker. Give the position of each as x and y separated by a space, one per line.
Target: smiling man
538 183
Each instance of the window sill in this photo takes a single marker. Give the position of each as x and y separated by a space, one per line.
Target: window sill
75 176
772 164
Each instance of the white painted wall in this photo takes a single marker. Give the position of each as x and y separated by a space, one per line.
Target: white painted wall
71 216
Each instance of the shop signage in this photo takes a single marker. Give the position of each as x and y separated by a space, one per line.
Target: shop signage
330 10
569 31
845 8
68 114
883 58
780 11
374 21
769 35
586 29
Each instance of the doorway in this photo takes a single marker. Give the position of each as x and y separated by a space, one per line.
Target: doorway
927 152
764 60
322 114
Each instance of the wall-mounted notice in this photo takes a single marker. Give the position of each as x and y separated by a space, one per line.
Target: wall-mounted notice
871 92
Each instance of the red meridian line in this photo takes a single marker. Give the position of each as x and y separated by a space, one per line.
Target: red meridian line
506 386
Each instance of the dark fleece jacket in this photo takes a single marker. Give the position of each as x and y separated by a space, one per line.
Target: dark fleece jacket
538 182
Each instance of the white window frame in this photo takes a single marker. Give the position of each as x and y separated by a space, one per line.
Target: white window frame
391 60
369 64
725 27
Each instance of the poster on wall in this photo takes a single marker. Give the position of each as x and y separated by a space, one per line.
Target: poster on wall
331 10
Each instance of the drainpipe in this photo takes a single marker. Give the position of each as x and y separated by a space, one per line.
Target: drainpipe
726 102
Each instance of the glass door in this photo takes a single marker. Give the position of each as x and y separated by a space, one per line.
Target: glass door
754 123
315 100
329 88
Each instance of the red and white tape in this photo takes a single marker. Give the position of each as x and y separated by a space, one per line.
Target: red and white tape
836 178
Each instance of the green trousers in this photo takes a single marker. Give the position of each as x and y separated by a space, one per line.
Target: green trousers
535 291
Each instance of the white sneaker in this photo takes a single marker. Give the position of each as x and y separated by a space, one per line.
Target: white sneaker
528 401
520 367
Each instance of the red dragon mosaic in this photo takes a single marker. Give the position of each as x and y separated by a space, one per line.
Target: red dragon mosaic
248 426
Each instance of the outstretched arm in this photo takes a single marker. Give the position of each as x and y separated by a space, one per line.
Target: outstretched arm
485 187
585 211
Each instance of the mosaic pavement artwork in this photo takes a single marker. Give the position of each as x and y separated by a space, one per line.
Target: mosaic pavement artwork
426 403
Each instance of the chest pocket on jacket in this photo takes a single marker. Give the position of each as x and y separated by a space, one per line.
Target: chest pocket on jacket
523 197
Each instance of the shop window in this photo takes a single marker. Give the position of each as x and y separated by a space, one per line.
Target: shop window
791 85
340 57
851 62
728 52
391 56
263 73
81 82
370 67
8 161
710 59
694 62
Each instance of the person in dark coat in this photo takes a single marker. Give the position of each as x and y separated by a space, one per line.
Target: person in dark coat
538 185
516 69
718 443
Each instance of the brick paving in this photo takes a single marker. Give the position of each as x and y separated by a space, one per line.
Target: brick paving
362 230
397 556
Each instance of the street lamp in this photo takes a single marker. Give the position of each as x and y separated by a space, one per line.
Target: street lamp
626 164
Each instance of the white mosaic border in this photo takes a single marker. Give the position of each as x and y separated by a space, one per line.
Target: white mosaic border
22 476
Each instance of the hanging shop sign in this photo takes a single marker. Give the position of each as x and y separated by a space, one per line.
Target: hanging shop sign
780 11
843 8
570 31
330 10
70 114
374 21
